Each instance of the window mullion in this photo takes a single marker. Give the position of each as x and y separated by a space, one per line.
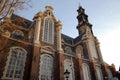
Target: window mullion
48 37
15 65
52 33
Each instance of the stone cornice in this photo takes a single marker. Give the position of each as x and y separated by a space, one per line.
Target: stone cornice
18 40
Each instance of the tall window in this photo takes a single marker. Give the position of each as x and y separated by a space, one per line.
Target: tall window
109 73
68 65
99 73
86 72
93 49
48 32
15 64
46 68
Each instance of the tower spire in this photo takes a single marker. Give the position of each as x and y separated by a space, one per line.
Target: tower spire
79 4
82 19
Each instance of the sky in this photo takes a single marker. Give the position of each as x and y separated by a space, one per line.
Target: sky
104 15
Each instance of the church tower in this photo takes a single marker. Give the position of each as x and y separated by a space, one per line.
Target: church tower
82 20
85 28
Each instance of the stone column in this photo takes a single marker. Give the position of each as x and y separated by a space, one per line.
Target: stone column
37 30
86 41
79 69
59 30
99 53
34 75
59 52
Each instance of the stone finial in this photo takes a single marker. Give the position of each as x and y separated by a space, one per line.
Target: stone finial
49 8
10 13
39 14
59 23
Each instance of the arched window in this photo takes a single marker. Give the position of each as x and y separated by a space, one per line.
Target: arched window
15 64
17 34
109 73
92 48
99 73
81 53
68 65
46 67
86 72
68 50
48 32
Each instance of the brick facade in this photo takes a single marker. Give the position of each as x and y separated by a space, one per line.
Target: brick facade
58 50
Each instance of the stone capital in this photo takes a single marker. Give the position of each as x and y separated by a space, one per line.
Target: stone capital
59 24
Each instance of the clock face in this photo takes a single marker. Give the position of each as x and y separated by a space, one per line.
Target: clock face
92 48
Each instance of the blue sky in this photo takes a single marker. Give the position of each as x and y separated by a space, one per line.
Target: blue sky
104 15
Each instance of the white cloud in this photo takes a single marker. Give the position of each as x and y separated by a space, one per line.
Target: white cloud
110 49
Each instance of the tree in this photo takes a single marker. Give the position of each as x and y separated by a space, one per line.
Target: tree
7 6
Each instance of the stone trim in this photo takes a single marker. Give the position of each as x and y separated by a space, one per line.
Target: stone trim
7 63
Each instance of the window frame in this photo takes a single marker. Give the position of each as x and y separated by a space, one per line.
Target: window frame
52 67
100 76
84 66
68 50
109 72
8 61
68 64
50 21
19 35
93 49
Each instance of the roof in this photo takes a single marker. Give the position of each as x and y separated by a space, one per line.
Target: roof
70 40
20 21
78 38
67 39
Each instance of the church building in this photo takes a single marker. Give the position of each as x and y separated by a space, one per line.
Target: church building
37 50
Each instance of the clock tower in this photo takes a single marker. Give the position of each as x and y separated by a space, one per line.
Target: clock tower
83 22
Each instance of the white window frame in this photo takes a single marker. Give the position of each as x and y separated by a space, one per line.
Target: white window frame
48 38
86 71
40 72
92 49
68 65
99 73
7 64
109 73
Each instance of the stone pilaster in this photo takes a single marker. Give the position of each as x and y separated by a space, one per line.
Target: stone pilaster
86 40
79 67
93 70
37 30
99 53
59 55
61 67
35 64
59 31
36 48
37 20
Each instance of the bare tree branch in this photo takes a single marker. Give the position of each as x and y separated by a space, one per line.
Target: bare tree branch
7 5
